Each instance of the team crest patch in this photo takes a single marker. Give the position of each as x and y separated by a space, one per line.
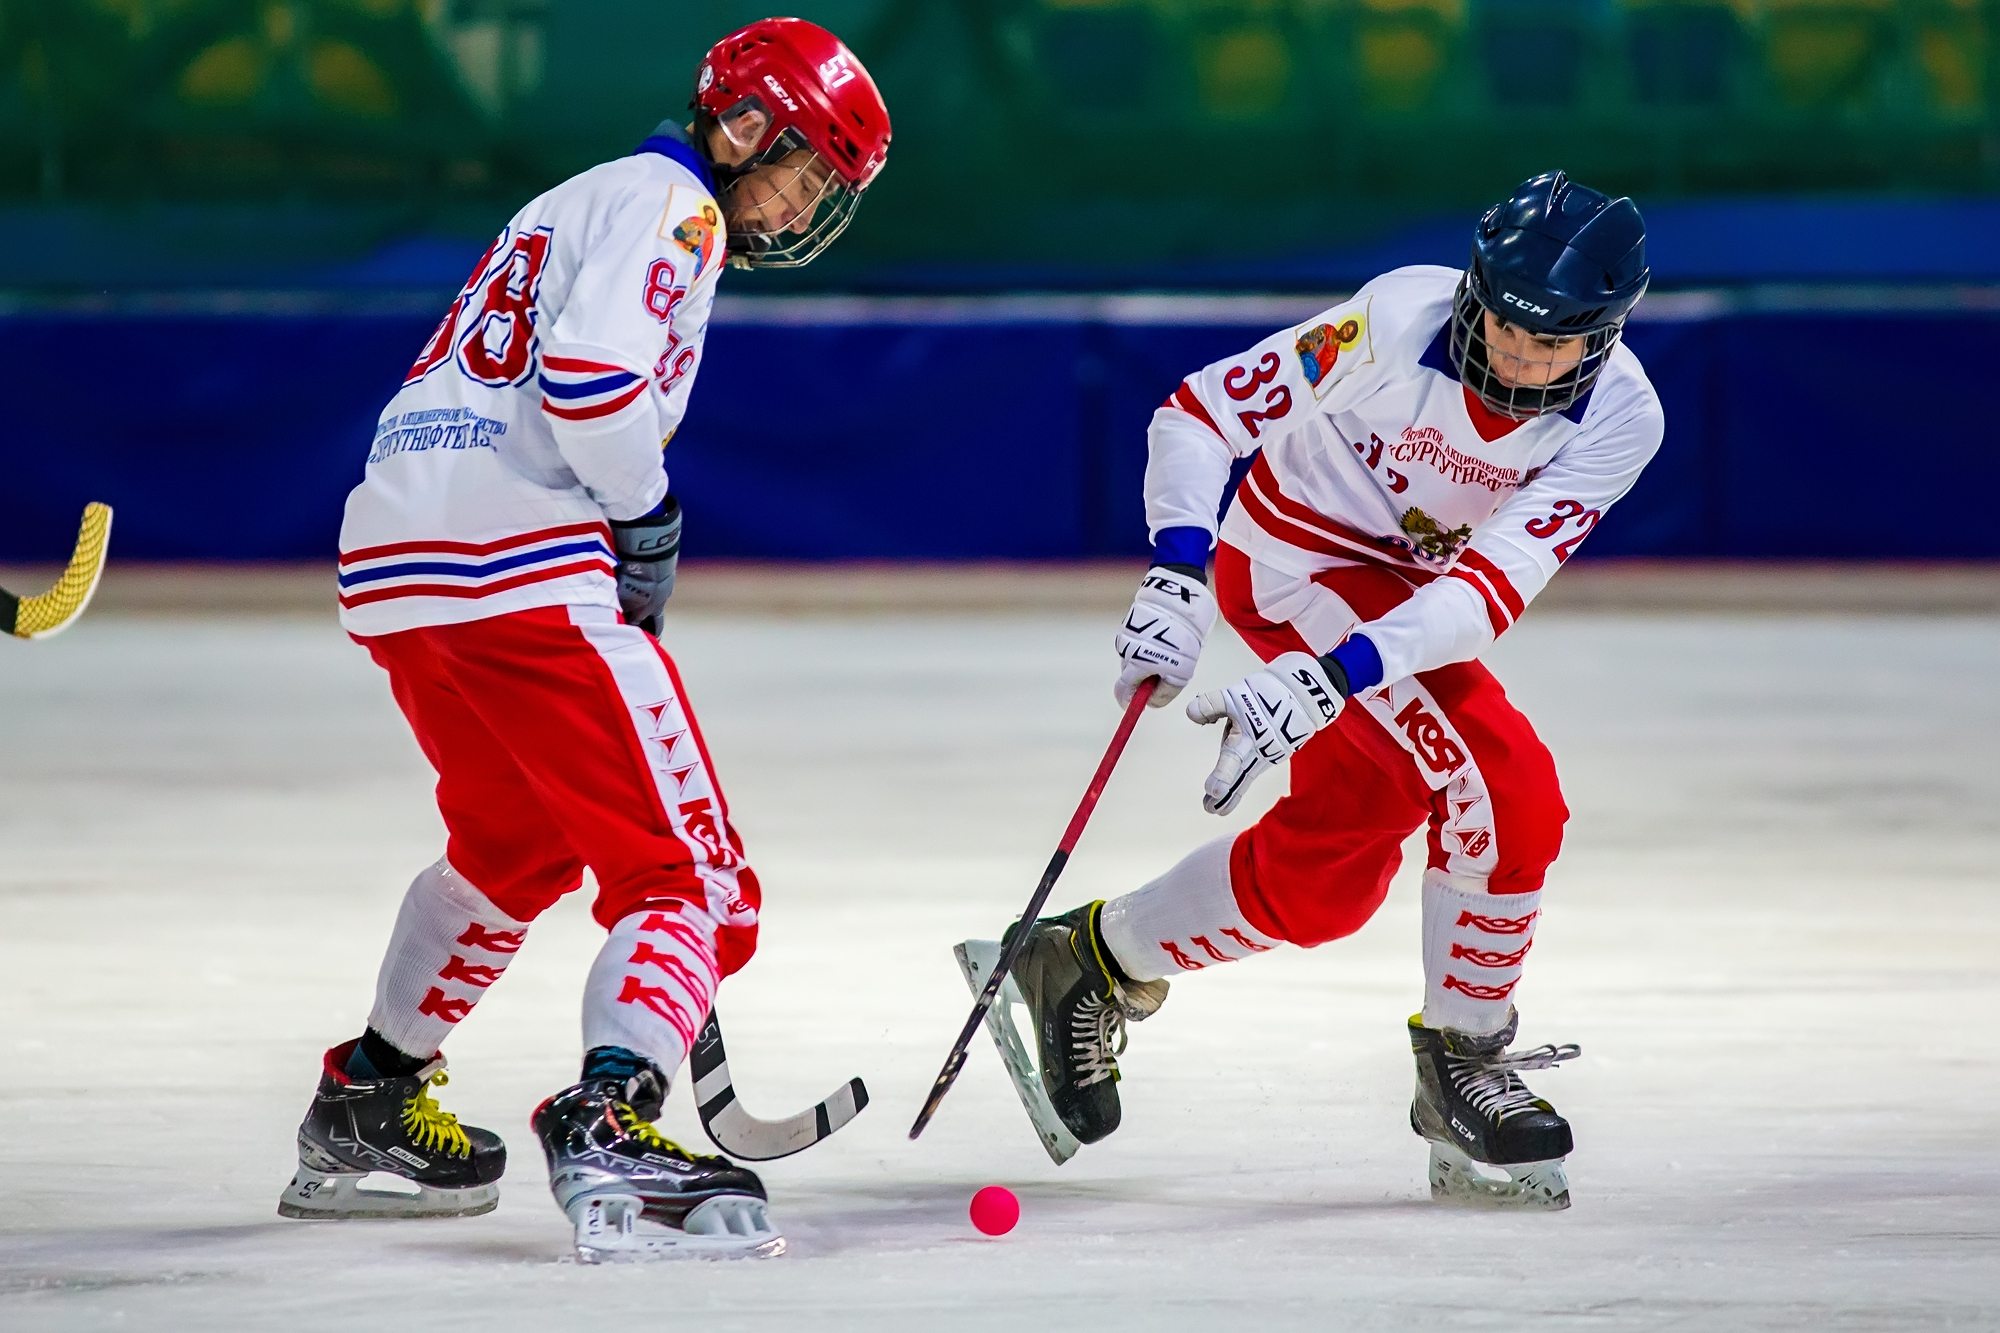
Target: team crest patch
696 235
1321 347
1432 539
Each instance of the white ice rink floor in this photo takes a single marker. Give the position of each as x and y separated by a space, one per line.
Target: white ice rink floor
1773 932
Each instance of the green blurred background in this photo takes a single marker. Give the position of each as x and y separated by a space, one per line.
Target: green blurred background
1120 134
254 209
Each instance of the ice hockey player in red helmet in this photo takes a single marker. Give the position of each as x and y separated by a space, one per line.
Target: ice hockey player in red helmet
505 560
795 131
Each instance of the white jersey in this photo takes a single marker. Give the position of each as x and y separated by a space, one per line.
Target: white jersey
1374 453
538 409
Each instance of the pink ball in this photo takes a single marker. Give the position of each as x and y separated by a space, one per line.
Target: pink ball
995 1210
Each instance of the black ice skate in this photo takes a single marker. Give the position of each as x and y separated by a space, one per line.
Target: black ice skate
632 1193
1492 1140
1079 1008
389 1127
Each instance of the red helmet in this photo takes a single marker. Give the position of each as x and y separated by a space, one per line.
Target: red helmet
798 101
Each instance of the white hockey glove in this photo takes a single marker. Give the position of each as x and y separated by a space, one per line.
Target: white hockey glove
1267 716
1162 633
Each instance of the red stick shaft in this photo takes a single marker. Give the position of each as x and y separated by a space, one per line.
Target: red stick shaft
1106 764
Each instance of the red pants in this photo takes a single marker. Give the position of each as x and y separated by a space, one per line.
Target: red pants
1444 748
562 739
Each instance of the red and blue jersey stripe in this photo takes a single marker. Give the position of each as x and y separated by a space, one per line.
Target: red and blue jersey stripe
458 569
576 389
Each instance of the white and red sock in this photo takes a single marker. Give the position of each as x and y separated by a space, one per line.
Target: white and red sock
1474 945
450 944
1185 920
653 984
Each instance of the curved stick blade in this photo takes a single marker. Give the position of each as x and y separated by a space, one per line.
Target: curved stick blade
47 614
742 1135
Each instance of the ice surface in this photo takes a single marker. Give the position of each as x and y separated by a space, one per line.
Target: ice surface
1773 931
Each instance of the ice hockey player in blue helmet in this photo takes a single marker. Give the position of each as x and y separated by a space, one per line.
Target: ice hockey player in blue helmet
1556 268
1427 455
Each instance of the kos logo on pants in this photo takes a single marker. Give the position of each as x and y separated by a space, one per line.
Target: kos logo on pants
1429 739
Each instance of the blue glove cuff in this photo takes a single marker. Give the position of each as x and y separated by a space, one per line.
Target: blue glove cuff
1359 664
1182 546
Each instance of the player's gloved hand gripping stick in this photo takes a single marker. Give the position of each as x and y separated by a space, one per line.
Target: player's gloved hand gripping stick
1010 945
1160 637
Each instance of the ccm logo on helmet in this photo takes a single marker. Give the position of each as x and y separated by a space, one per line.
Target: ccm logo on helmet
1528 306
779 89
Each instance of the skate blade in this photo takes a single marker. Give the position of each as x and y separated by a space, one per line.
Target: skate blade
1456 1178
348 1196
976 959
611 1229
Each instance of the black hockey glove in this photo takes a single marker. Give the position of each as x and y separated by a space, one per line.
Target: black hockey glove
648 550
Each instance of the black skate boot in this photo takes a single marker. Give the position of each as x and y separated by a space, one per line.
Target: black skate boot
1079 1003
356 1127
631 1192
1477 1113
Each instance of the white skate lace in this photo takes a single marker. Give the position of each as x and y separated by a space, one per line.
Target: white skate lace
1097 1035
1492 1083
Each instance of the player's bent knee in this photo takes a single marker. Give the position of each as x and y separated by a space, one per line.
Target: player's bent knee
523 890
1334 917
1309 906
1531 837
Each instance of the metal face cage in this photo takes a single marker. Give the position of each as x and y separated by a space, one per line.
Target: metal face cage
1503 388
786 203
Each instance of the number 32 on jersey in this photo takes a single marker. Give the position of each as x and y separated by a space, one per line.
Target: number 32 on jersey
1241 383
1563 513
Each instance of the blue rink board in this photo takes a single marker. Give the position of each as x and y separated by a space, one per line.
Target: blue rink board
845 429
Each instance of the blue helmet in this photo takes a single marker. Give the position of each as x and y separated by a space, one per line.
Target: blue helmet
1558 260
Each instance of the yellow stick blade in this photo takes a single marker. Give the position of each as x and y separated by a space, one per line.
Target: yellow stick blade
56 610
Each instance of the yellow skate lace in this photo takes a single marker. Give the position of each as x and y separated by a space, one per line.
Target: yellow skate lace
431 1127
647 1133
